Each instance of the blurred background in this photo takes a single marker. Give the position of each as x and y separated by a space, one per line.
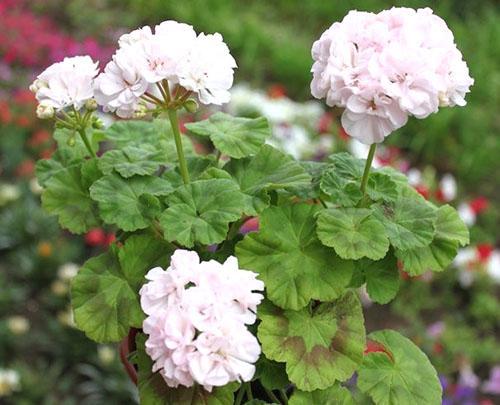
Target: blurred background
451 157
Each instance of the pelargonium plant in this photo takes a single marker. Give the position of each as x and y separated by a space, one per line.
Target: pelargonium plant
206 314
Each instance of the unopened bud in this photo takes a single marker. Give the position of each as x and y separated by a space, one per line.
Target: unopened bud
190 105
37 85
97 124
45 111
91 104
140 111
71 140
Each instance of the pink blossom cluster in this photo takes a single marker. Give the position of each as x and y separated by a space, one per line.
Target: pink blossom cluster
173 53
197 314
383 68
32 40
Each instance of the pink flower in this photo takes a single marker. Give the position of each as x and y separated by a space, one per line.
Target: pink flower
197 317
385 67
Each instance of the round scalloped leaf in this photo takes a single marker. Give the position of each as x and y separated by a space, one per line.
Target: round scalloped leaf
234 136
131 160
409 222
354 233
315 359
201 211
270 169
381 277
450 232
129 203
104 304
381 187
67 196
401 375
334 395
290 259
341 191
156 133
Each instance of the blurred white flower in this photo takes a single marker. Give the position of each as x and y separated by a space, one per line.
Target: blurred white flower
9 382
18 325
448 187
67 271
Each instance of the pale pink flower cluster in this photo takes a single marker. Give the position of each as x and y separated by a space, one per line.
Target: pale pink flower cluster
173 52
65 84
385 67
197 317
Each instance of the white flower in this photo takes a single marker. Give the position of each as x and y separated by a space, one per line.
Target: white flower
197 317
467 214
174 53
119 88
65 84
384 67
9 382
448 187
67 271
18 325
208 69
493 266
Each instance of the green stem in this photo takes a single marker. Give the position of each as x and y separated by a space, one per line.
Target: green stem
283 396
271 396
368 165
85 140
248 389
239 396
174 122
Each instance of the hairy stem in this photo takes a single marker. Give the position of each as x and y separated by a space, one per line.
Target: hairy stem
174 122
271 396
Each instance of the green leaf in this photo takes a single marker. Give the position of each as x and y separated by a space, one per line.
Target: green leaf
271 374
450 232
381 187
342 191
270 169
129 203
141 253
233 136
131 160
104 304
67 196
409 222
382 278
156 133
404 377
290 259
60 160
319 365
154 391
315 330
347 166
334 395
77 150
354 233
201 211
450 227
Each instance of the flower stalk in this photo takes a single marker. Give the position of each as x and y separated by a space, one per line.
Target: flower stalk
174 122
368 165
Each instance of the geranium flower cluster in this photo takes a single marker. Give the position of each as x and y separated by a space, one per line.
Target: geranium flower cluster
201 64
385 67
197 317
145 66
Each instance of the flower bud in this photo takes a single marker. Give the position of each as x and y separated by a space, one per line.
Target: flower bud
37 85
140 111
190 105
71 140
91 104
45 111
